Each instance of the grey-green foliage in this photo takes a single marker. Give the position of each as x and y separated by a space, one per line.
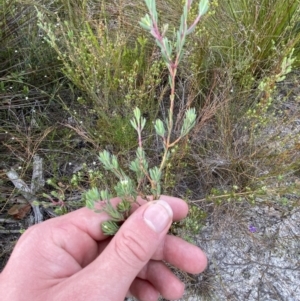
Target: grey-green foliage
188 122
160 128
126 188
139 164
92 196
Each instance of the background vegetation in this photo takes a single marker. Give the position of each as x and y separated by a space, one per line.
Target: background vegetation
71 73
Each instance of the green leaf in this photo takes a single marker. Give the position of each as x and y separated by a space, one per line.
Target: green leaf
143 123
159 128
134 165
141 156
188 122
104 158
54 193
89 204
140 164
168 46
164 29
178 41
170 80
137 114
124 207
109 228
134 124
203 7
155 174
151 5
146 22
138 122
91 196
104 195
114 162
125 188
113 213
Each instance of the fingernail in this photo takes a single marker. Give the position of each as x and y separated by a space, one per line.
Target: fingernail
158 215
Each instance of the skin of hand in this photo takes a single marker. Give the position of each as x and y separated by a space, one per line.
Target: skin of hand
69 258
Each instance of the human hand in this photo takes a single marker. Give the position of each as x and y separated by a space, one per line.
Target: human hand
69 258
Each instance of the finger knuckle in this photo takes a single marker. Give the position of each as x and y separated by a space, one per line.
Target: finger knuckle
130 248
33 231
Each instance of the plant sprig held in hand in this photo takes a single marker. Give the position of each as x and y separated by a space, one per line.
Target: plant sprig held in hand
126 188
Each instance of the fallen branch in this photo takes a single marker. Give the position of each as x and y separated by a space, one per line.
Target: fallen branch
36 183
8 221
10 231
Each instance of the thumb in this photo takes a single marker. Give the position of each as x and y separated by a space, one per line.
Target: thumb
131 249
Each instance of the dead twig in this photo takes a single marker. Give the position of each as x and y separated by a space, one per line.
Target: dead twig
8 221
36 183
10 231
